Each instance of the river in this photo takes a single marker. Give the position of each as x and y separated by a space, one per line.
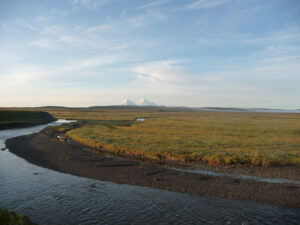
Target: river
50 197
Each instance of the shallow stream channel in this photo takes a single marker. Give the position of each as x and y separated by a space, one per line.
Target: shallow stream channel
50 197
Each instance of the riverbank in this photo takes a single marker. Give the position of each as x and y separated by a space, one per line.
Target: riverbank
46 150
10 119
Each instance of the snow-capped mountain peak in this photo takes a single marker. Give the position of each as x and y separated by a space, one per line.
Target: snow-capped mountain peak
145 102
127 102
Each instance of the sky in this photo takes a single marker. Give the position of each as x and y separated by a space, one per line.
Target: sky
223 53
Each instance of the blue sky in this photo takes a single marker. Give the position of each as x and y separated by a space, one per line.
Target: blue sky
238 53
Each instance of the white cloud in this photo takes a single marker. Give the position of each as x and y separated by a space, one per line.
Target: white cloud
25 24
279 36
162 71
52 14
272 41
283 49
54 43
139 21
92 62
111 35
114 34
52 30
152 4
167 73
91 4
200 4
7 57
44 43
22 75
99 28
280 59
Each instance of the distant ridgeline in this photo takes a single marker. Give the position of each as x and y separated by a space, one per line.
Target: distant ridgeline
16 119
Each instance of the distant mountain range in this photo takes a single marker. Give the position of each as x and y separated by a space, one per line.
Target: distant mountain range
142 102
126 103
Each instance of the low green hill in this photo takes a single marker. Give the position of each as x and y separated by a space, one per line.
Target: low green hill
15 119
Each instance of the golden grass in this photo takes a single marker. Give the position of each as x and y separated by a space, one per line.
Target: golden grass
260 139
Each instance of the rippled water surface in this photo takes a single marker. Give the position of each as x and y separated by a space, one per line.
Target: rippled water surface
50 197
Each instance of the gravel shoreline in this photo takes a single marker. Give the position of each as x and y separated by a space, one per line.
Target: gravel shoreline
47 151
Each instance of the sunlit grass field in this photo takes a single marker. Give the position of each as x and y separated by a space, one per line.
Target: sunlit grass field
253 139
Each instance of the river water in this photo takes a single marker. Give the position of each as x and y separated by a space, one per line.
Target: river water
50 197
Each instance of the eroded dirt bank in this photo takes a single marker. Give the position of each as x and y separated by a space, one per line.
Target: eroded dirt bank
69 157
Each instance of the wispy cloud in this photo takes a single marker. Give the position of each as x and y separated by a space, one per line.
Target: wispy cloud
56 42
280 59
52 30
28 74
91 62
52 14
25 24
271 38
201 4
161 71
112 34
152 4
91 4
100 28
21 75
278 36
168 73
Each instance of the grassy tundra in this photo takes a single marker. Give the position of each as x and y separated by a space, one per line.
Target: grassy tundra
258 139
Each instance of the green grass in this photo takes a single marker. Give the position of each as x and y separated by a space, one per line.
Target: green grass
239 138
11 218
12 119
220 138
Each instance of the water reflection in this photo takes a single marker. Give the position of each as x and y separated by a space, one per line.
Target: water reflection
140 119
